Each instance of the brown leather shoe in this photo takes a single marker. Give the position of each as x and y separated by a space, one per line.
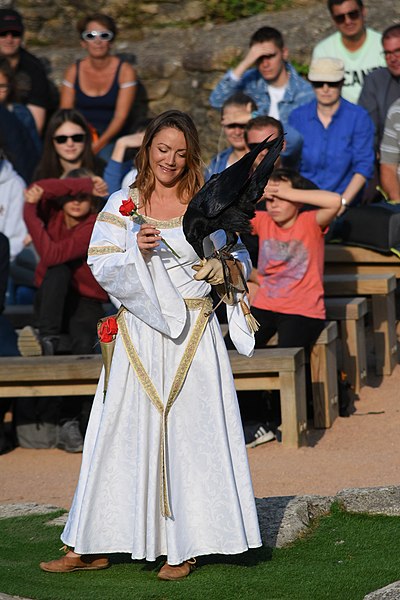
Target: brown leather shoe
85 562
174 572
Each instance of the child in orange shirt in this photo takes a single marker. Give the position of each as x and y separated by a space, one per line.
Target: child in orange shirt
290 297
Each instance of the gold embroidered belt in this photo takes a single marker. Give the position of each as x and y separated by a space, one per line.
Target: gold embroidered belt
204 305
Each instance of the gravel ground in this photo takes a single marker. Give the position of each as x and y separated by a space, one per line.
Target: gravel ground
358 451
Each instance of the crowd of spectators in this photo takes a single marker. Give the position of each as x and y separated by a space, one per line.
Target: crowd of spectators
341 126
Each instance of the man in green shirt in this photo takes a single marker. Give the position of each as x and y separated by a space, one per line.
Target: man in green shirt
358 46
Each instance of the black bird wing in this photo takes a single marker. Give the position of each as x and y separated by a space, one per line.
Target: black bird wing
224 188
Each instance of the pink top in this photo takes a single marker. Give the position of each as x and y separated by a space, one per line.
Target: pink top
290 265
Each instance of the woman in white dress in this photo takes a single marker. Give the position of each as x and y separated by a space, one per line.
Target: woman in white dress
164 468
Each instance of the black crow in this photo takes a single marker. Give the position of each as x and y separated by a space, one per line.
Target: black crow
227 201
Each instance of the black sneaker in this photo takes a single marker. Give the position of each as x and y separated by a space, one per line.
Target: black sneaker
257 434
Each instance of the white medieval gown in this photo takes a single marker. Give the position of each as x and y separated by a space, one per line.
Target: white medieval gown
163 472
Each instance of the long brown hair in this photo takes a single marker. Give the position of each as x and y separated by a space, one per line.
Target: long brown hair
50 164
192 176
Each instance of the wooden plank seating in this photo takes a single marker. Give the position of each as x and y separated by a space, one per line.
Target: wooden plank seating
323 366
324 375
268 369
349 313
359 261
381 289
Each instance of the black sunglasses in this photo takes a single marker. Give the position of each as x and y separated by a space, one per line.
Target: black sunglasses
235 125
14 34
352 14
320 84
77 137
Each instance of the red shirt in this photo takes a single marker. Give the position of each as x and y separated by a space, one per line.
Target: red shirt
290 266
55 243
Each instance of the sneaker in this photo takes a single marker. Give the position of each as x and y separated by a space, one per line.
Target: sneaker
70 438
258 434
30 343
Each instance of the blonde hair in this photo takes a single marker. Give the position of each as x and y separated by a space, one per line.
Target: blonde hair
192 176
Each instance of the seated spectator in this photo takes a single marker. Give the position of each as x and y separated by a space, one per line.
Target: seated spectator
60 215
273 83
390 154
235 113
120 171
358 46
67 146
17 144
12 224
337 135
9 96
35 90
382 87
290 298
101 86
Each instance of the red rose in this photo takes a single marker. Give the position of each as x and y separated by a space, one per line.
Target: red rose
127 208
107 329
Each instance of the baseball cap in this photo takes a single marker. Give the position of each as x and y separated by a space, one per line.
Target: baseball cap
10 20
326 69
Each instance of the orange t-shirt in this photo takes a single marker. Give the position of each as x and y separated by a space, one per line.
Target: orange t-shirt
290 265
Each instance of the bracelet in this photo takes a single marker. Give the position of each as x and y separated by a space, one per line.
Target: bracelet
344 202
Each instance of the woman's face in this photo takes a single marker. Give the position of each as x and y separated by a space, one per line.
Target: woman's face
69 141
96 47
167 156
4 88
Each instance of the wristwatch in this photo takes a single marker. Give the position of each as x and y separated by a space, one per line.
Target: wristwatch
344 202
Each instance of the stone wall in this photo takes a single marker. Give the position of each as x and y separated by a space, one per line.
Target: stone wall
179 66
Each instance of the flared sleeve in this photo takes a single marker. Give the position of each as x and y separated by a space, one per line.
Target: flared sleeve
239 332
120 268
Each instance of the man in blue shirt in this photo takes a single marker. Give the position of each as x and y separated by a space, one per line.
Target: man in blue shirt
273 83
338 136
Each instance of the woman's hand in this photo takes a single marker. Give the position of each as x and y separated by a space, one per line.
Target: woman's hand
33 194
148 238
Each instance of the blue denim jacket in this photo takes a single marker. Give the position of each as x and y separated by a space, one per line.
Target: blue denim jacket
298 92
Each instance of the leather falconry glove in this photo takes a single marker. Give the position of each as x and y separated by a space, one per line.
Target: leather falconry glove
210 270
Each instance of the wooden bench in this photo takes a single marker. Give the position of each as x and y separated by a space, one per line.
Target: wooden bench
349 313
381 289
359 261
323 366
268 369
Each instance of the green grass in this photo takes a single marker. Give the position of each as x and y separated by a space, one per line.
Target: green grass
343 557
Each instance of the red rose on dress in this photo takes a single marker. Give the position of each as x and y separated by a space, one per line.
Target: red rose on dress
107 329
127 208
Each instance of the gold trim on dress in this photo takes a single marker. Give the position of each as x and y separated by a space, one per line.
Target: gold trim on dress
107 217
139 218
95 250
204 305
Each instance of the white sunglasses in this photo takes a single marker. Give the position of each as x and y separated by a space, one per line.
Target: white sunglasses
105 36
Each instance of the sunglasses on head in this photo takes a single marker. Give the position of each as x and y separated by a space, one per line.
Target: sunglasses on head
14 34
320 84
352 14
104 36
77 137
235 126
